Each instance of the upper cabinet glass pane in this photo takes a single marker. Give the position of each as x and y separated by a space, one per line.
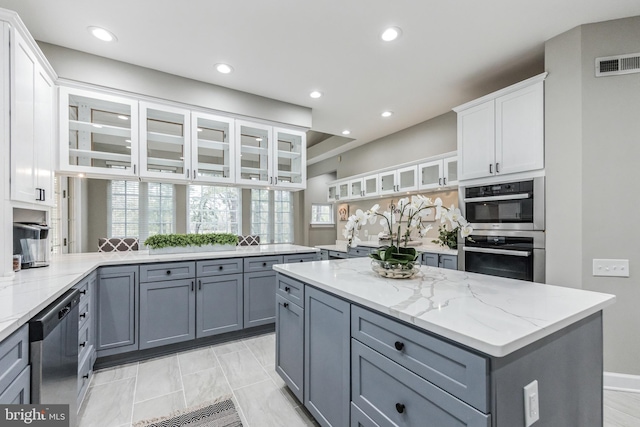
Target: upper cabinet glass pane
99 133
254 153
165 142
213 156
289 163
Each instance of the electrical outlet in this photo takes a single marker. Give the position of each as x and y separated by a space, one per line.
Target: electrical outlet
611 267
531 403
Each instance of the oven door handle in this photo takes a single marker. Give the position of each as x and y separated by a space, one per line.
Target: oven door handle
498 198
496 251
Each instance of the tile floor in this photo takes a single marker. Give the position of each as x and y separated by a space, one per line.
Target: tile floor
243 369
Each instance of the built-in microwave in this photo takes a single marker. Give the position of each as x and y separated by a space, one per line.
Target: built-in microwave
506 206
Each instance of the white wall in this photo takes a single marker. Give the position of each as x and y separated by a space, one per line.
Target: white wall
593 152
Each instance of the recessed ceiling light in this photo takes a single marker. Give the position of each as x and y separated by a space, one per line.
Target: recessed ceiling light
102 34
127 140
224 68
123 117
391 34
386 113
97 126
315 94
346 132
199 129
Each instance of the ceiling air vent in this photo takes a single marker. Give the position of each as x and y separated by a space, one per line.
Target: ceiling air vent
619 64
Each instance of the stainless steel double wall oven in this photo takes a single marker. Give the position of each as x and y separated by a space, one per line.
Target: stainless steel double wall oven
508 229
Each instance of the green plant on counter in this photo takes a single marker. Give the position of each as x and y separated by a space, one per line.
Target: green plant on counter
160 241
395 255
447 238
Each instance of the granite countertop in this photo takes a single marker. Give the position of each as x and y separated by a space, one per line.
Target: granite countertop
493 315
341 246
29 291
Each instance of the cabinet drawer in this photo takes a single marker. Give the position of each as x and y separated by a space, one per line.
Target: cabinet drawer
167 271
84 310
19 391
360 419
301 257
84 374
263 263
405 399
84 340
457 371
359 252
218 267
14 356
291 290
337 254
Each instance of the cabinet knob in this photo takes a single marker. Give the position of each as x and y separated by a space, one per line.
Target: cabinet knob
168 272
399 346
301 260
287 289
264 264
400 408
286 304
220 268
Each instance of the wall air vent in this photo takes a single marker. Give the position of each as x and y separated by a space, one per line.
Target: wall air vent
619 64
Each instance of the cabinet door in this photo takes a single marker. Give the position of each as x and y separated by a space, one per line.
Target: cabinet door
370 185
23 155
117 310
449 262
290 345
343 190
520 130
450 174
165 142
290 158
356 190
98 133
253 154
430 259
19 391
476 141
160 325
388 182
327 368
259 298
212 148
431 175
407 178
332 193
219 305
43 137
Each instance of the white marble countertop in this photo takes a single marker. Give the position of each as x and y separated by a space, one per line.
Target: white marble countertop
341 246
29 291
493 315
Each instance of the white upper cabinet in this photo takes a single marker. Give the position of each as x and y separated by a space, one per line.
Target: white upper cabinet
438 173
343 190
270 156
165 142
503 133
213 148
332 193
370 185
356 190
98 133
31 123
399 180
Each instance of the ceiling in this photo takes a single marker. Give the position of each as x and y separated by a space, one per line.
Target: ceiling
449 52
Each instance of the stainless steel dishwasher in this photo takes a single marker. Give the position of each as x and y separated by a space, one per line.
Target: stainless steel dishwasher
53 334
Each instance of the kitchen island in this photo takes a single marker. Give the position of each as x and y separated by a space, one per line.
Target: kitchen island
448 346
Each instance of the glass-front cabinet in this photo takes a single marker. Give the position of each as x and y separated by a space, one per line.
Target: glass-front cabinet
213 148
438 173
165 142
332 193
356 188
290 155
98 133
370 185
253 158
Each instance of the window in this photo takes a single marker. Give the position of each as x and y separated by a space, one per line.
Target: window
322 214
214 209
272 215
140 209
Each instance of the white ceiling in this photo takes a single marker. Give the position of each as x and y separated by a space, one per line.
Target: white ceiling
450 51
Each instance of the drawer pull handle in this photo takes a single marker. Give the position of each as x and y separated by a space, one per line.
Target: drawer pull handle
286 304
85 376
220 268
82 344
168 272
287 289
83 292
83 315
399 346
400 408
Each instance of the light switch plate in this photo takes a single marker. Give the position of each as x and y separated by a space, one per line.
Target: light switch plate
531 403
611 267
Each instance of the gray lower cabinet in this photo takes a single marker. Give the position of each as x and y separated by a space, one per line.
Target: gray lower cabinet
86 332
359 252
360 419
327 369
430 259
117 311
406 399
259 291
440 260
324 254
167 310
15 373
219 304
290 344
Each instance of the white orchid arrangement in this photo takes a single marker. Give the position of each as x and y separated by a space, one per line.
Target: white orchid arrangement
416 211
